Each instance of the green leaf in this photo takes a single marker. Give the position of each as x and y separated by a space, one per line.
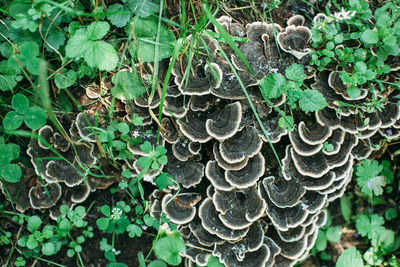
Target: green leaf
6 154
321 242
168 249
370 225
345 207
12 120
102 223
65 79
353 91
390 40
145 162
146 147
127 85
272 85
312 100
56 39
368 179
370 37
20 103
286 123
163 160
295 72
120 15
144 8
105 209
123 127
213 262
334 234
11 173
350 257
97 30
35 117
157 263
134 230
48 249
32 243
101 55
29 49
77 44
162 181
145 31
34 223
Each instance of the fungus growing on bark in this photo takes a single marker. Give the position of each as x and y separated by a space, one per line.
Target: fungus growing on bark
238 208
226 165
193 126
296 20
181 209
315 133
251 259
283 193
294 40
225 123
216 175
188 173
301 147
44 196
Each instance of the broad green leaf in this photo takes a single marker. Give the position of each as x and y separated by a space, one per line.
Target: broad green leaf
134 230
345 207
97 30
353 91
351 257
334 234
373 258
367 174
370 225
272 85
168 249
56 39
145 162
370 36
213 262
31 243
12 120
6 154
162 181
105 209
145 31
312 100
20 103
101 55
8 82
77 44
29 49
127 85
390 40
119 16
48 249
144 8
34 223
35 117
295 72
65 79
146 147
11 173
102 223
321 242
157 263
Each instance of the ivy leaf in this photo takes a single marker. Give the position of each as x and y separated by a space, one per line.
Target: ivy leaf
295 72
145 31
168 249
272 85
65 79
312 100
350 257
144 8
119 16
35 117
127 85
370 225
370 37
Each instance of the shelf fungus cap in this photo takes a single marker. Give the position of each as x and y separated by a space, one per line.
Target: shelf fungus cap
83 121
252 259
245 143
314 134
239 208
216 175
283 193
203 236
226 165
44 196
296 20
301 147
180 209
236 252
193 126
62 171
225 123
313 166
212 223
79 193
294 40
188 173
248 175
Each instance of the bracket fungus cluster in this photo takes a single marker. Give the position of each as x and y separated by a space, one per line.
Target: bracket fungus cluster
239 203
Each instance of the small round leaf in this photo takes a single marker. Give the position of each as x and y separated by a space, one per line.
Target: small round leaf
12 120
11 173
20 103
35 118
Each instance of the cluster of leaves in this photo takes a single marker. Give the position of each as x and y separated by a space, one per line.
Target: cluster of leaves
49 239
275 84
380 40
9 171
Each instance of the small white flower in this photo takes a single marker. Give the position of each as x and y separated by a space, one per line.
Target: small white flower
343 14
136 134
116 214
